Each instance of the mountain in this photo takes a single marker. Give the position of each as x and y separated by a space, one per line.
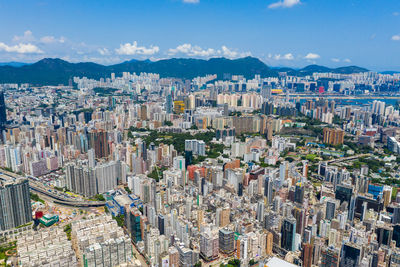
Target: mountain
190 68
13 64
50 71
310 69
54 71
349 70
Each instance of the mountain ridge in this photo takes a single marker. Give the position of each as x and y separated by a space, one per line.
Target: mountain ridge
54 71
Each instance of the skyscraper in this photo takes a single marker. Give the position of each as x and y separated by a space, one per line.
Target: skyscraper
260 211
168 104
351 255
226 241
299 193
330 210
161 224
288 232
307 254
268 189
15 204
330 257
3 114
133 224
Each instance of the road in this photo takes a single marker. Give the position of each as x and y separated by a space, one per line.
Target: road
56 197
348 158
60 200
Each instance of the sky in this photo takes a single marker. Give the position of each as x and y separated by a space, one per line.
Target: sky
292 33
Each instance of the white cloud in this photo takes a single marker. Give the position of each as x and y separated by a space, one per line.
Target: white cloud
191 1
21 48
226 52
288 56
134 49
396 37
312 56
193 51
346 60
284 4
229 53
196 51
27 37
335 59
103 51
395 14
52 39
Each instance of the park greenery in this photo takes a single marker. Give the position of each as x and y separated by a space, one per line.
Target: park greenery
231 263
99 197
157 173
120 220
6 247
36 198
68 230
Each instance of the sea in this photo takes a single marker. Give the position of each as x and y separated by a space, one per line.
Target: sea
359 102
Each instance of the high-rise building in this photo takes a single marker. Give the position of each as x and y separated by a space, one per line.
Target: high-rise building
109 246
330 209
283 172
3 112
197 147
299 193
333 136
268 189
270 243
143 112
187 257
226 241
15 204
161 224
99 141
225 217
91 158
394 259
179 107
209 245
133 224
330 257
91 181
168 104
173 257
351 255
384 235
307 254
288 233
260 211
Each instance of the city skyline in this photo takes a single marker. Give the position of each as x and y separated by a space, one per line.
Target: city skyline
289 33
200 133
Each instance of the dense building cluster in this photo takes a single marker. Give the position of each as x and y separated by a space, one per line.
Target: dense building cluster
209 171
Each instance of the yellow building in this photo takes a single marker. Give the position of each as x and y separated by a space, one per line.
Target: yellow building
179 106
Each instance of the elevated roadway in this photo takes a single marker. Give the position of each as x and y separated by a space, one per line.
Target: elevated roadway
57 198
348 158
60 200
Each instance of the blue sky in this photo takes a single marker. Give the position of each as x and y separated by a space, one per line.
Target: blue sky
291 33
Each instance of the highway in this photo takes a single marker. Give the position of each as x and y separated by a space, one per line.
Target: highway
56 197
347 158
60 200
